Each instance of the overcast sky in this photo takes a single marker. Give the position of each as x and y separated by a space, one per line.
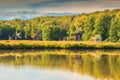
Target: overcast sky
51 6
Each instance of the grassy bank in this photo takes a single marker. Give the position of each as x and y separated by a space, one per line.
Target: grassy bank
26 44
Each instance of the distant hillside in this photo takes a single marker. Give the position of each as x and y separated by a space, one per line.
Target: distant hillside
27 15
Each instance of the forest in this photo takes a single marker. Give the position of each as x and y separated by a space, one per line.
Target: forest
104 23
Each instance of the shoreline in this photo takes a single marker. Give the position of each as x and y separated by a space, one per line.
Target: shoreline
30 44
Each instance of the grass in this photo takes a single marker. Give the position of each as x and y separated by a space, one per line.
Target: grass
28 44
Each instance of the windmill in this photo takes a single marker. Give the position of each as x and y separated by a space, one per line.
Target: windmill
78 34
77 30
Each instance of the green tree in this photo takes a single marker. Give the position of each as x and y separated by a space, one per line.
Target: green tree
102 25
7 31
53 32
115 29
89 27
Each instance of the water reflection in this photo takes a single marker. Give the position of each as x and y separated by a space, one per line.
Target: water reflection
60 65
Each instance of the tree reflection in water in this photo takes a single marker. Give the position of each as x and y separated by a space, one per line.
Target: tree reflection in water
96 63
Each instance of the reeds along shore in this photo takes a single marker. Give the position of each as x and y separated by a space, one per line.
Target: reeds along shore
28 44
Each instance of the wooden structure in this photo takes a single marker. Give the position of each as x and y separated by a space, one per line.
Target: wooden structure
77 34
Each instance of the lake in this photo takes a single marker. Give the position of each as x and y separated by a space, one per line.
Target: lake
59 64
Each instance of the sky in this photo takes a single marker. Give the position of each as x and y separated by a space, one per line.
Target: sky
58 6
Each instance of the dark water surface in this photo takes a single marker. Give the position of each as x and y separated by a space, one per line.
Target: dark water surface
60 65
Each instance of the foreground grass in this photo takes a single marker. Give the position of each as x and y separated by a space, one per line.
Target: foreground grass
27 44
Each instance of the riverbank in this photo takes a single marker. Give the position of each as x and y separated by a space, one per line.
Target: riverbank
28 44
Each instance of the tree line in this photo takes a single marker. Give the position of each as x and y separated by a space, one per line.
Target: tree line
105 23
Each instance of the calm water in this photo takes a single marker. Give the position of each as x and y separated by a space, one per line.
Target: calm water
60 65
